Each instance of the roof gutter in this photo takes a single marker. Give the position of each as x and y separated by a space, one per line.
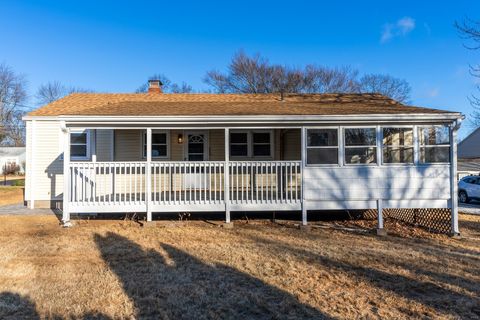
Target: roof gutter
416 117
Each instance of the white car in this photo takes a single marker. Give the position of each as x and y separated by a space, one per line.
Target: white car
469 189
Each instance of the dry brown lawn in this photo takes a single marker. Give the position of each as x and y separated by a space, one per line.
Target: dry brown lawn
10 195
117 269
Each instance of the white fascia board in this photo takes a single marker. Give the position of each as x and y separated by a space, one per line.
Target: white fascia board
272 119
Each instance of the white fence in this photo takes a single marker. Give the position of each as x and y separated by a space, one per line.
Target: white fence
177 186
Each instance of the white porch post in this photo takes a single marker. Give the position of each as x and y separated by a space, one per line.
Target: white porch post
94 145
66 177
227 176
149 175
453 179
380 229
302 166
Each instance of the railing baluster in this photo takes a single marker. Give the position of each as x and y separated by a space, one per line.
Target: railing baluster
156 177
272 182
174 178
296 182
291 182
165 166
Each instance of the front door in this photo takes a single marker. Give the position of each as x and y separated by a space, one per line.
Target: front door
196 150
196 146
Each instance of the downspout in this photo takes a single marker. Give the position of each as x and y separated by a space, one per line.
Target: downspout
453 176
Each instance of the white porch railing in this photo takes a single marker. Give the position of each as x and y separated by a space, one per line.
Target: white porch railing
265 181
190 186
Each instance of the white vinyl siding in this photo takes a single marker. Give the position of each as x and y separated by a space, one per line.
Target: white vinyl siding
47 170
405 185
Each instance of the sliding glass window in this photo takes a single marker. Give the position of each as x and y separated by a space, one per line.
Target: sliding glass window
322 146
434 144
397 145
360 145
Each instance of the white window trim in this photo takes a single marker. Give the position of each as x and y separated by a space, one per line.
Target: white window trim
250 143
338 146
420 145
345 147
88 144
167 143
413 145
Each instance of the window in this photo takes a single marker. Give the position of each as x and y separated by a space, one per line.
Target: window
360 145
79 145
322 146
261 144
397 145
255 144
470 180
159 144
239 144
434 144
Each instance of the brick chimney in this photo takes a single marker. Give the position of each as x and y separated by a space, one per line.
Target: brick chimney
154 86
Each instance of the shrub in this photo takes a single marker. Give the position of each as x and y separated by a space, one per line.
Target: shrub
10 168
19 183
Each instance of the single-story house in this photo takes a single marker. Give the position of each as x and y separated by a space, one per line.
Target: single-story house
12 156
469 155
155 153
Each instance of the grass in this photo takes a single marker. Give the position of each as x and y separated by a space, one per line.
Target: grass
10 195
117 269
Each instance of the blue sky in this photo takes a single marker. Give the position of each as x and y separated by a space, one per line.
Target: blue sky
113 46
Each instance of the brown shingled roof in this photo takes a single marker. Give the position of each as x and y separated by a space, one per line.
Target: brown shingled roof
141 104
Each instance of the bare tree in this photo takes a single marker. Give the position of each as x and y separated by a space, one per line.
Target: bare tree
54 90
183 88
397 89
256 75
252 75
13 96
470 31
167 85
50 92
319 79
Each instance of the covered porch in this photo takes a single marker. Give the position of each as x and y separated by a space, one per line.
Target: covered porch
158 170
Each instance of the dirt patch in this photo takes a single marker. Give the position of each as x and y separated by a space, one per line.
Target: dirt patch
117 269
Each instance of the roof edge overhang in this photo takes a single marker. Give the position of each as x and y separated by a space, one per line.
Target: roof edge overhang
254 119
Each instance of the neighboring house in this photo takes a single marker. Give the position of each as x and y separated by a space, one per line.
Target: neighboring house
469 155
158 153
12 156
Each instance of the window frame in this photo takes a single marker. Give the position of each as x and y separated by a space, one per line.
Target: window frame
345 147
250 143
272 150
414 145
419 144
230 144
87 144
167 143
338 146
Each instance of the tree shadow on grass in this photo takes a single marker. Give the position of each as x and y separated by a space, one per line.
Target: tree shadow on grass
14 306
180 286
424 292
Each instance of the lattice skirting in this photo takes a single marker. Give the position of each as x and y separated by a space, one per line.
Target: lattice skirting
436 220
